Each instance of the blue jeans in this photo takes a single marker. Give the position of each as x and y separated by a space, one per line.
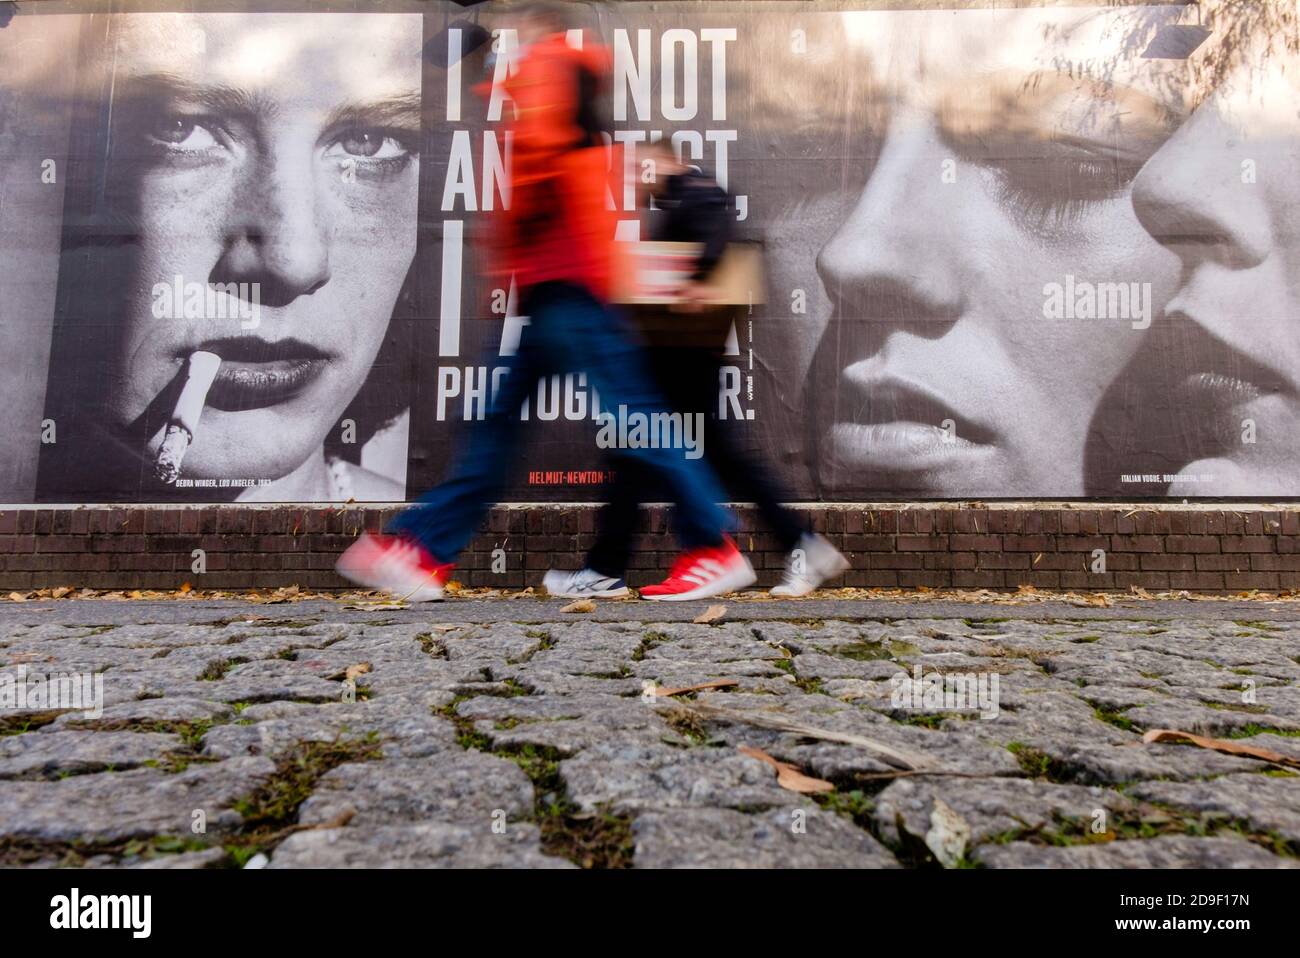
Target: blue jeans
569 330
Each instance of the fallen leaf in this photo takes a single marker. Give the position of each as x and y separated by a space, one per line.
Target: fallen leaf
1097 599
17 597
581 605
1140 592
186 587
1220 745
60 592
713 613
788 776
361 668
948 834
715 684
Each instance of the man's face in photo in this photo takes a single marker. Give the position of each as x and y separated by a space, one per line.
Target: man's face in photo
274 156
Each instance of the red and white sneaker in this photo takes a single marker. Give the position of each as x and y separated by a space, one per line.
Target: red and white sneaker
395 565
701 573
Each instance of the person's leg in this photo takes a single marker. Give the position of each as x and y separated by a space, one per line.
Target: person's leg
616 522
635 484
811 558
744 474
444 519
583 334
748 479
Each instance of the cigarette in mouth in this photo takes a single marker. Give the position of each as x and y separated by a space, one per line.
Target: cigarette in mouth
200 370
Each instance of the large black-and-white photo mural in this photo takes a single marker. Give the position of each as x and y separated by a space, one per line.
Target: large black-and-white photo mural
1009 250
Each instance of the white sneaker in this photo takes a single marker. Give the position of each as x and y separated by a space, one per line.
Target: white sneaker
584 584
819 561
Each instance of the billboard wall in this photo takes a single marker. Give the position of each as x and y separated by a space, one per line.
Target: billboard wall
1038 251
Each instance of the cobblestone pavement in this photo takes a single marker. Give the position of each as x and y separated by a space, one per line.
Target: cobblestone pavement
508 733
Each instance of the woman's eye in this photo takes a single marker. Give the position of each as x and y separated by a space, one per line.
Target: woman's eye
1071 173
1059 182
183 133
368 144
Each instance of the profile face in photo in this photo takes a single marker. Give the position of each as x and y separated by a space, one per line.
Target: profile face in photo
268 166
1224 195
1002 169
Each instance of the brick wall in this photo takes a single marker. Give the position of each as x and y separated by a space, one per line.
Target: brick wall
942 546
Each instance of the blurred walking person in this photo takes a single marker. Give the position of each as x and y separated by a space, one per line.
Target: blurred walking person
557 239
686 358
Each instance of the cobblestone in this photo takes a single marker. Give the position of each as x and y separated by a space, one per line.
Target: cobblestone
507 735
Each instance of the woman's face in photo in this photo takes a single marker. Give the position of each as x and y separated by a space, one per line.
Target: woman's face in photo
1224 194
1005 146
275 153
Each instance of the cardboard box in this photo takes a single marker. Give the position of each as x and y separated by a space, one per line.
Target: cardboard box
657 269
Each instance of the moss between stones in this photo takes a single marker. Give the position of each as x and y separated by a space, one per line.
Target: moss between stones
271 810
590 840
1038 764
648 642
1251 730
867 651
268 812
1256 624
1116 718
813 686
597 839
18 852
191 733
216 670
854 799
931 722
1150 821
1252 709
431 645
467 736
687 724
18 724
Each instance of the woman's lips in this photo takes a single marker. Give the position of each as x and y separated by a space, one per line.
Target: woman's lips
901 426
240 386
1220 390
257 372
901 446
1222 387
